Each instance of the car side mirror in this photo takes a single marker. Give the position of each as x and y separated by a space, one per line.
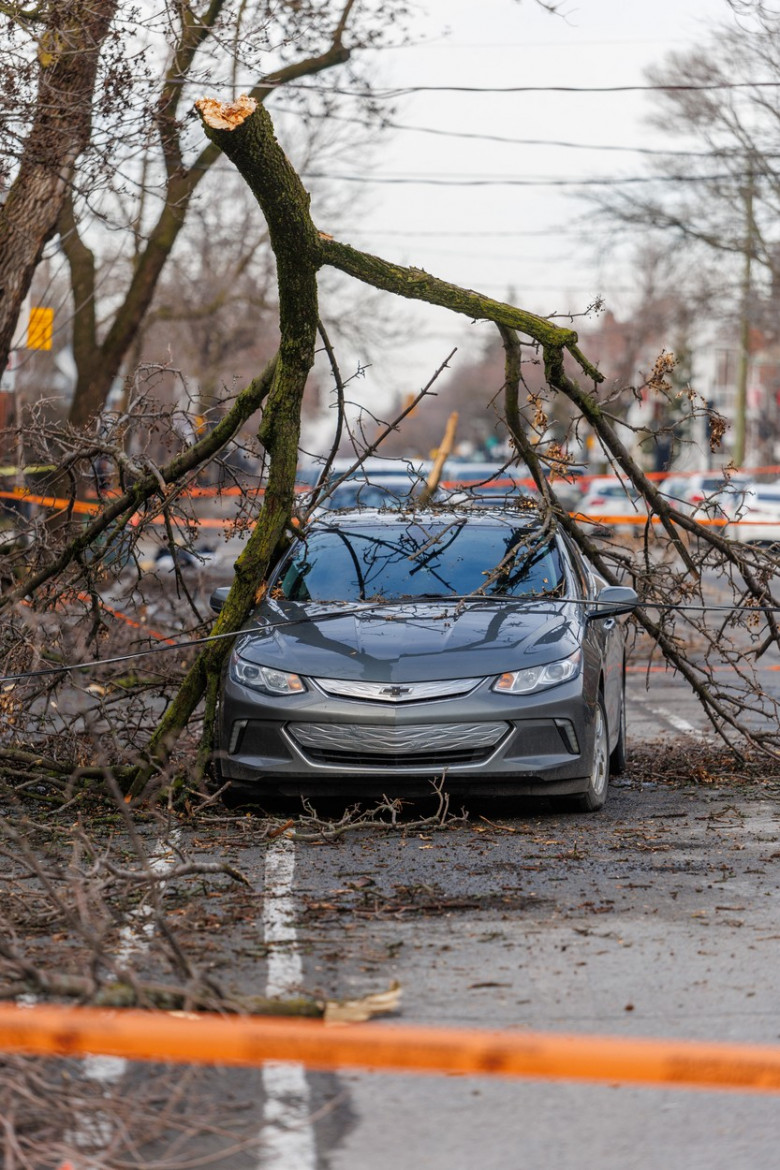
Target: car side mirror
613 600
218 598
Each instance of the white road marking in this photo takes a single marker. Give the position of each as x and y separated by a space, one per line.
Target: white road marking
677 722
135 937
287 1137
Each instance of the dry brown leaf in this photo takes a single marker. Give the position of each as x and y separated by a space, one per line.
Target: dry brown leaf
357 1011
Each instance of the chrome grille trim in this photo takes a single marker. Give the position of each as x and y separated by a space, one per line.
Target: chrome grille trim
430 739
396 692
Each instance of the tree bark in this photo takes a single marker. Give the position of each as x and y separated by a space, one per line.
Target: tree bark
69 52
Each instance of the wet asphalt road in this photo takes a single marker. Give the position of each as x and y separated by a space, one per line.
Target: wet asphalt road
657 917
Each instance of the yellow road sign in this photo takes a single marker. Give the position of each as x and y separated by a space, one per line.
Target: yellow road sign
39 330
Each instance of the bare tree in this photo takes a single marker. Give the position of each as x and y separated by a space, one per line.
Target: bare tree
140 170
718 193
63 43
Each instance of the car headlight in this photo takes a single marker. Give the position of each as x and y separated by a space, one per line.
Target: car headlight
537 678
264 678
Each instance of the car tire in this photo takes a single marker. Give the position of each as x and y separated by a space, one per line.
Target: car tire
593 798
617 758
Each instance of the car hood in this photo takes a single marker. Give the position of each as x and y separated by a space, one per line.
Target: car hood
411 642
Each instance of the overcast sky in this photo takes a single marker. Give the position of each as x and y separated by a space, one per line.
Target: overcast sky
469 223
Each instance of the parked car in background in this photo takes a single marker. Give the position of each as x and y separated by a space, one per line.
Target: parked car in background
373 468
758 517
357 493
397 482
493 495
675 489
512 502
375 483
609 499
482 485
458 473
393 649
715 495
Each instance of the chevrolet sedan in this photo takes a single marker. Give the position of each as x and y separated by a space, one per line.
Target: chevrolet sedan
394 649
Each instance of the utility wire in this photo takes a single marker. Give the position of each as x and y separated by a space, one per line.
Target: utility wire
416 234
506 181
162 648
405 91
506 140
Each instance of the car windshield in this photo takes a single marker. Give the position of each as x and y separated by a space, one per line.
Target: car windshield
415 560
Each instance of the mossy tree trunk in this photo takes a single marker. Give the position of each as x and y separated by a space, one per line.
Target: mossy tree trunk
253 146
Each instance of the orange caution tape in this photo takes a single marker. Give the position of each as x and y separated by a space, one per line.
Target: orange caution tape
641 518
51 501
82 506
124 617
47 1030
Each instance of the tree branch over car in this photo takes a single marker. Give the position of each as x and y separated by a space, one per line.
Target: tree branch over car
675 547
243 130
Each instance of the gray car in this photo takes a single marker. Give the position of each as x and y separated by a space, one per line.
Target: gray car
394 648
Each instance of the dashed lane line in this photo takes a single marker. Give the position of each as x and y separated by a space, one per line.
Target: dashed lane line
677 722
287 1140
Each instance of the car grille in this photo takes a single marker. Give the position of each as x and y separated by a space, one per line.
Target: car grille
430 745
374 692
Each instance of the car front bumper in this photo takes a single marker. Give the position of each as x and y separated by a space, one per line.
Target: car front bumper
485 742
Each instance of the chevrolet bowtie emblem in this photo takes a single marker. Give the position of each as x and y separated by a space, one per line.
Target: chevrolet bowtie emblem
395 692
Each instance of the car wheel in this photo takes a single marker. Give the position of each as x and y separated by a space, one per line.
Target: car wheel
598 782
617 759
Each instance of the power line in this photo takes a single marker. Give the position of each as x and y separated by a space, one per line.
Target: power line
509 181
552 231
477 46
509 141
405 91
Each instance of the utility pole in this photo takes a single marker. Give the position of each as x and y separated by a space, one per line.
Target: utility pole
740 403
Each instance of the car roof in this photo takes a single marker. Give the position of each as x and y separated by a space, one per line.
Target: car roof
721 478
487 517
